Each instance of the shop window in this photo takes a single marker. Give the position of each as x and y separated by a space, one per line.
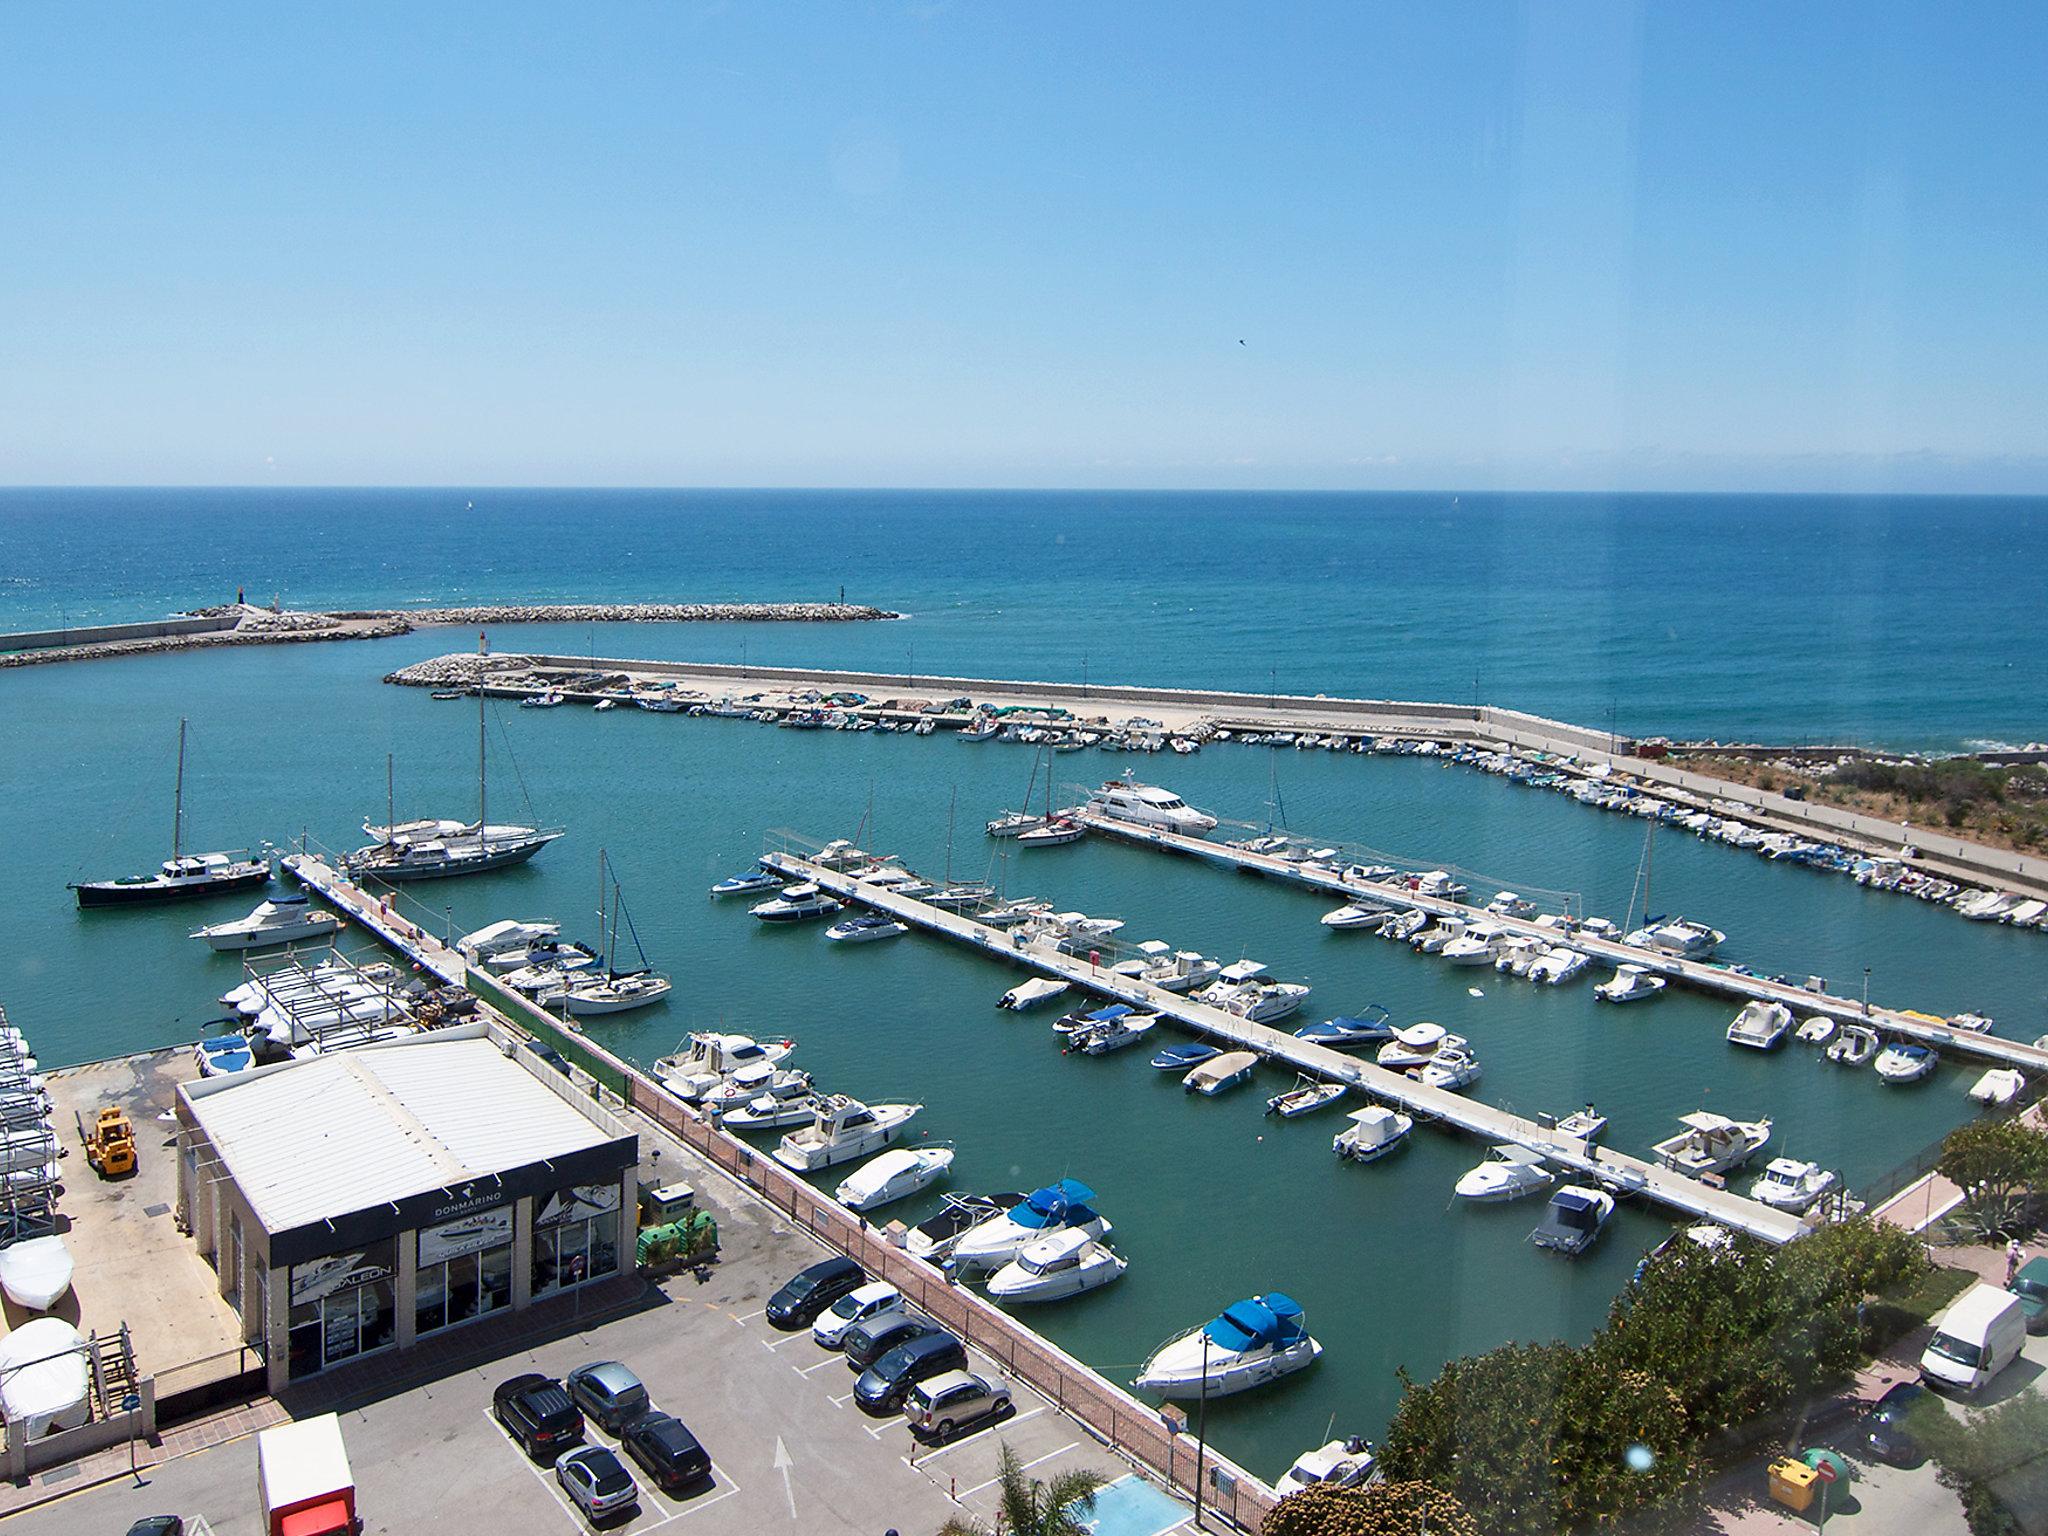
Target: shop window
342 1306
575 1237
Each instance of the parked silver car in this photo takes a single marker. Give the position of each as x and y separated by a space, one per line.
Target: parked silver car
953 1399
597 1480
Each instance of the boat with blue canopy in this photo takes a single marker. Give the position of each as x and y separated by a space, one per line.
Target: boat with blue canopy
1065 1206
1179 1058
1369 1025
1248 1344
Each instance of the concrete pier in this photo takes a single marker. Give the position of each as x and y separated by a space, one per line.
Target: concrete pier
1700 975
1617 1171
1180 709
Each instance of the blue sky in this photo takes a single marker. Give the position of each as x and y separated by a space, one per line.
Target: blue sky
1008 243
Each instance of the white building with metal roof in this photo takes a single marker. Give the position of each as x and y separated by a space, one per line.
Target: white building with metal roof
365 1199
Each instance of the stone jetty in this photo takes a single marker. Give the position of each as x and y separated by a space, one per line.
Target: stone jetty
249 624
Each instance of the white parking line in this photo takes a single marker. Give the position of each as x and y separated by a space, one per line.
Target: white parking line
747 1317
805 1370
1034 1462
669 1509
787 1338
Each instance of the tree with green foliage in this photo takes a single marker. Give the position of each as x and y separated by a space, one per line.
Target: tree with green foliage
1999 1165
1384 1509
1027 1507
1538 1438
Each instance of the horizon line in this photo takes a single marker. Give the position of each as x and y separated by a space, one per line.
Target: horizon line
1026 490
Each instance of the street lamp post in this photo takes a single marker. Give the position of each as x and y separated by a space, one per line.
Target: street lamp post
1201 1429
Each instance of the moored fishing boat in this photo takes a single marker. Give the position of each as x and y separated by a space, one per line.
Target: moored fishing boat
841 1130
1374 1132
1306 1097
1711 1143
1629 984
1905 1061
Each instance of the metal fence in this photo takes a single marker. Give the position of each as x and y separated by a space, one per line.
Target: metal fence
1125 1424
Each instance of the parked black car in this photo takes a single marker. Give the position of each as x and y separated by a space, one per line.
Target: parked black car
867 1342
1885 1432
811 1291
667 1451
608 1393
883 1385
537 1411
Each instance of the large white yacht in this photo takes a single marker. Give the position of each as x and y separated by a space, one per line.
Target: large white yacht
1250 1343
280 920
1149 806
706 1060
841 1130
1065 1206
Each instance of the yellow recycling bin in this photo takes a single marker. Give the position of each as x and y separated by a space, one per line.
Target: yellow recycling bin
1792 1484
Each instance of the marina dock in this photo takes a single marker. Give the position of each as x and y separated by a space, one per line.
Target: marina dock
1699 975
1616 1170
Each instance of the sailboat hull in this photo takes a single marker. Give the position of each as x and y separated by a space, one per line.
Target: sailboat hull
494 856
124 893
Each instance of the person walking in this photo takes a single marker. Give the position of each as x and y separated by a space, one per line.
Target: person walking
2013 1255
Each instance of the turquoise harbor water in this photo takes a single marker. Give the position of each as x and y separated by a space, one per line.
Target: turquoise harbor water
1210 1200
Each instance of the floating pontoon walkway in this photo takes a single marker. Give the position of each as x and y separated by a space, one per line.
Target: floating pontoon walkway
1615 1170
1719 979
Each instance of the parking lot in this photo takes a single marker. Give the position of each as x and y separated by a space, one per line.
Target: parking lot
790 1448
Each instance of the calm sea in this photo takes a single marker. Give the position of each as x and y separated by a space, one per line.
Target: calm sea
1902 621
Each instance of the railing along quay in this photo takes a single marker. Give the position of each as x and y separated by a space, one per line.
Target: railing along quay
1615 1170
1991 1049
1126 1424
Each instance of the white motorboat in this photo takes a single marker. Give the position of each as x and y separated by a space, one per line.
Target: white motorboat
1453 1068
866 928
1304 1098
1761 1025
1574 1220
1558 965
547 953
1904 1062
769 1113
1973 1023
895 1175
1149 806
1170 970
1476 945
613 991
995 1240
1052 1268
1853 1045
1678 936
748 882
1404 926
841 1130
760 1080
281 920
1374 1132
1711 1143
1252 1342
1029 994
1008 914
1112 1034
933 1238
1998 1087
1790 1185
707 1059
1220 1073
1434 941
1357 916
1508 1174
1516 953
1346 1463
1412 1046
795 904
1244 991
35 1272
1438 883
509 937
1508 904
1818 1030
840 853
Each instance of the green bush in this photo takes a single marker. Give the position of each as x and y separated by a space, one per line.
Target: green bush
1384 1509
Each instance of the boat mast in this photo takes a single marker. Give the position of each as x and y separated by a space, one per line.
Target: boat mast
390 796
608 942
178 798
482 821
952 806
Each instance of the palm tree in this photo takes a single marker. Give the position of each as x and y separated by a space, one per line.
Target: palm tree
1032 1508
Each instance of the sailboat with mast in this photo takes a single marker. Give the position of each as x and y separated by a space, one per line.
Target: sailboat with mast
1016 823
183 875
432 850
613 990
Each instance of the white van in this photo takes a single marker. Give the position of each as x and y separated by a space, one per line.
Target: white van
1976 1338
